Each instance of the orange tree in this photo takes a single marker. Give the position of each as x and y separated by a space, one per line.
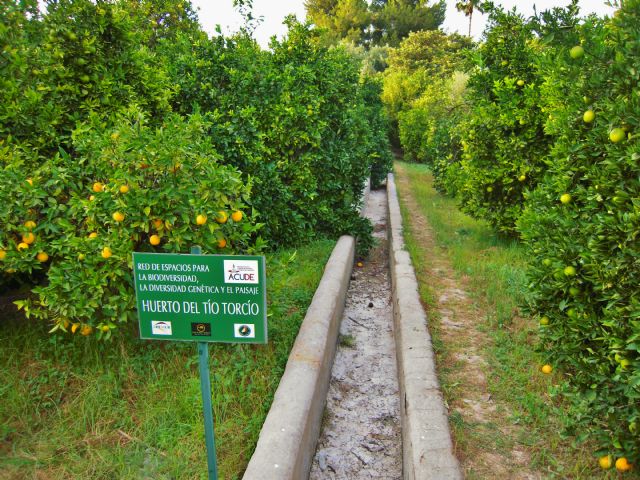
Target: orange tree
60 70
503 140
134 188
293 119
582 225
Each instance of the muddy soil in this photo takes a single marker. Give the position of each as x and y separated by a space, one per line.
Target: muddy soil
360 437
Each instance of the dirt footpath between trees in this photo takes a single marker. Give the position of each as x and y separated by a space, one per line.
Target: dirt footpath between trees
360 435
458 320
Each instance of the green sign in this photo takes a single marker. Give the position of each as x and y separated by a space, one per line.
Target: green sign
201 298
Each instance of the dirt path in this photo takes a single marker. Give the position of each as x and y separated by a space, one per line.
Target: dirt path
360 437
485 444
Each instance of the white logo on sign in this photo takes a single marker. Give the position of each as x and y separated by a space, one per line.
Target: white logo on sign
160 328
244 330
240 271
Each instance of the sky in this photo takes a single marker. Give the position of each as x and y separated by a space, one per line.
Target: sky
221 12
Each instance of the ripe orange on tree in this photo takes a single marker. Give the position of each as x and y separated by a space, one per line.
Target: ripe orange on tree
118 216
605 462
236 216
42 257
124 188
222 217
28 238
106 252
222 243
29 224
623 465
23 246
201 219
97 187
154 240
546 369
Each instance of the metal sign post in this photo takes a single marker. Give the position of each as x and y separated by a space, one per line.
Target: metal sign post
201 298
207 408
205 388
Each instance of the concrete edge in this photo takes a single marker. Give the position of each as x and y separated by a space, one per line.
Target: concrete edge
364 198
287 441
427 449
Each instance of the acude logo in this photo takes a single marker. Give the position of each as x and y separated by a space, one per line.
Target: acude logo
240 271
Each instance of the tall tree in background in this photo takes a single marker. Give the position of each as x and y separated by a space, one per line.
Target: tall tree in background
467 7
382 22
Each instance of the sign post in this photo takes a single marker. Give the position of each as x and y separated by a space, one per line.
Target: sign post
201 298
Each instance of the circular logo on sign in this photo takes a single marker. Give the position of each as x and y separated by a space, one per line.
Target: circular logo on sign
201 328
244 330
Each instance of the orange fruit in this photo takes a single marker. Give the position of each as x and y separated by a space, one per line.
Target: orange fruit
42 257
565 198
576 52
154 240
546 369
105 328
222 243
23 246
236 216
605 462
520 83
201 219
522 178
623 465
124 188
3 254
118 216
86 330
157 223
588 116
28 238
616 135
29 224
106 252
97 187
74 327
222 217
93 234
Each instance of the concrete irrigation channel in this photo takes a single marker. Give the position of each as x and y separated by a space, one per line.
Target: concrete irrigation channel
359 398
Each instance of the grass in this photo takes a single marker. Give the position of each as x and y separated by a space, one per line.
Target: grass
494 271
131 409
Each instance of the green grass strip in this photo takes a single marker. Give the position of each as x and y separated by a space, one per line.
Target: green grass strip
495 270
131 409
